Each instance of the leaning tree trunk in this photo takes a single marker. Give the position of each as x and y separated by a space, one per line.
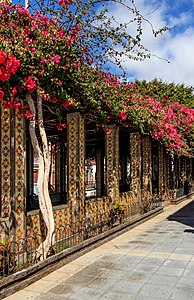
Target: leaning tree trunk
43 174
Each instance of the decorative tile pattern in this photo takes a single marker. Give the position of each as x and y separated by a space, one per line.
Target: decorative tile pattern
182 169
58 167
5 163
166 175
147 164
99 172
81 164
76 160
160 169
19 177
135 152
112 162
72 159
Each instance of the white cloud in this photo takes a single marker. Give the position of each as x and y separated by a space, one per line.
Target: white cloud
177 46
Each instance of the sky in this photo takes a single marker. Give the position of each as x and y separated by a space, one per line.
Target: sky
175 45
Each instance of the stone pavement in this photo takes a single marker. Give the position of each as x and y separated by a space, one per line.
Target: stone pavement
155 260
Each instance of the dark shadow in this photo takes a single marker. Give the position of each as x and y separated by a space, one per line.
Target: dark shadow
185 215
189 230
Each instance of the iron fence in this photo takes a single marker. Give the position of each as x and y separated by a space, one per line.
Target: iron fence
19 255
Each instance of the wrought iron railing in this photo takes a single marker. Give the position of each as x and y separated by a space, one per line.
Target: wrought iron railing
18 255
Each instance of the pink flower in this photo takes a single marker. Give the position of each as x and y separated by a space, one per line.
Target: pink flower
108 131
56 58
75 65
43 60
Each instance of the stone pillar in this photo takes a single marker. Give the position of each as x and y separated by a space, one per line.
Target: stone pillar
147 164
19 199
167 162
99 171
182 169
135 152
58 168
160 169
13 203
112 162
5 163
75 162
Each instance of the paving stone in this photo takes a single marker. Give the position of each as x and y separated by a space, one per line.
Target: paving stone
86 294
127 287
146 268
174 271
182 294
163 280
41 286
23 295
64 289
79 279
116 296
138 276
49 296
154 291
188 273
153 261
175 263
186 282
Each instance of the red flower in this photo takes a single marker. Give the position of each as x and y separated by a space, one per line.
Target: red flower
3 56
12 64
30 84
67 103
28 114
4 75
123 116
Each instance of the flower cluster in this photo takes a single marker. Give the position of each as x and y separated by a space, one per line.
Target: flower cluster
39 56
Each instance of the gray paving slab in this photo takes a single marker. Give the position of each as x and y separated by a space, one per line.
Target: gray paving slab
182 294
154 291
152 261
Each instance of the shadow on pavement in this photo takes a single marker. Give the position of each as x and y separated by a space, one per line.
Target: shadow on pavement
185 215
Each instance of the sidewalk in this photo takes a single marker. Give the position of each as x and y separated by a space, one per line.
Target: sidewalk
152 261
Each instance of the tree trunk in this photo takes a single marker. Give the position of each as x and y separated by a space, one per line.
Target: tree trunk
43 174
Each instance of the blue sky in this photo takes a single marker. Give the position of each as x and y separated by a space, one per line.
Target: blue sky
176 45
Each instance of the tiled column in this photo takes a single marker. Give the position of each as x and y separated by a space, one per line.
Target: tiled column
112 162
58 168
99 171
183 169
19 199
160 169
135 152
147 164
13 204
167 162
5 163
75 162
